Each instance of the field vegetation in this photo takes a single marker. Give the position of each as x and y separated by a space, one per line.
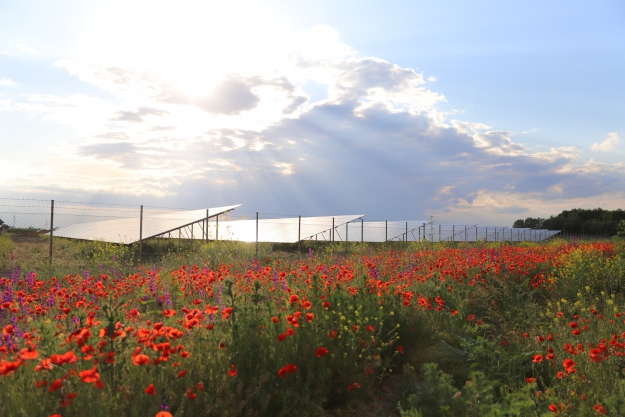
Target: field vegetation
407 329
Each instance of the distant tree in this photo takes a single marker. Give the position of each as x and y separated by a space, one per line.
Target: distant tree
591 221
621 228
530 222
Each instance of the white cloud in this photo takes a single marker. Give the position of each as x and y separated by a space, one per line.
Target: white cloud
609 144
29 50
6 53
201 96
6 81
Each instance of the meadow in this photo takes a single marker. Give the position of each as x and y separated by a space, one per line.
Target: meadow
407 329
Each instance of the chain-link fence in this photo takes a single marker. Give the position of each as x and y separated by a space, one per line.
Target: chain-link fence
156 230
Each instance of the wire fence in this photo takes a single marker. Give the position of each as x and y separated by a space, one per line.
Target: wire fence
41 221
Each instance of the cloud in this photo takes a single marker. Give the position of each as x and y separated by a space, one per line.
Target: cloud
6 81
6 53
29 50
137 116
609 144
377 143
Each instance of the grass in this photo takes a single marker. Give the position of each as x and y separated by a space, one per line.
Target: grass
414 329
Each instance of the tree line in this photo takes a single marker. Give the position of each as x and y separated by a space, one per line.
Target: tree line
589 221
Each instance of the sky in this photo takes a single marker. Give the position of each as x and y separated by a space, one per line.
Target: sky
470 112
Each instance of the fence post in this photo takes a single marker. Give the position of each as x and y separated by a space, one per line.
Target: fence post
256 235
465 234
439 232
332 234
217 227
51 227
406 232
346 234
362 230
206 228
140 232
386 231
299 235
453 232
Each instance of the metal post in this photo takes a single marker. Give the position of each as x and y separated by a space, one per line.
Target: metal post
346 234
475 233
299 235
362 230
439 232
465 234
140 232
206 238
332 233
217 228
256 235
386 231
453 232
51 227
406 231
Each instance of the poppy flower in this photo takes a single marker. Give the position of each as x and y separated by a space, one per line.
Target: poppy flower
192 395
110 358
150 390
27 354
281 337
400 349
530 380
600 409
89 376
289 369
321 352
233 371
569 365
537 358
58 383
182 373
370 328
553 408
275 319
169 313
140 359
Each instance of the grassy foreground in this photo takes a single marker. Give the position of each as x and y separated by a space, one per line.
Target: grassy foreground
416 330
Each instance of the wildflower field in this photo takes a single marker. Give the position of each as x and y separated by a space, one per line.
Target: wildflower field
414 330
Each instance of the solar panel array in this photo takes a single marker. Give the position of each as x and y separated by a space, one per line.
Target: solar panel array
130 225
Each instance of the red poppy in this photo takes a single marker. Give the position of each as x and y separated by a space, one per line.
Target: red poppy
275 319
27 354
89 376
600 409
569 365
370 328
289 369
192 395
554 409
321 352
233 371
140 359
326 304
169 313
182 373
530 380
400 349
537 358
150 390
281 337
333 334
58 383
110 358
